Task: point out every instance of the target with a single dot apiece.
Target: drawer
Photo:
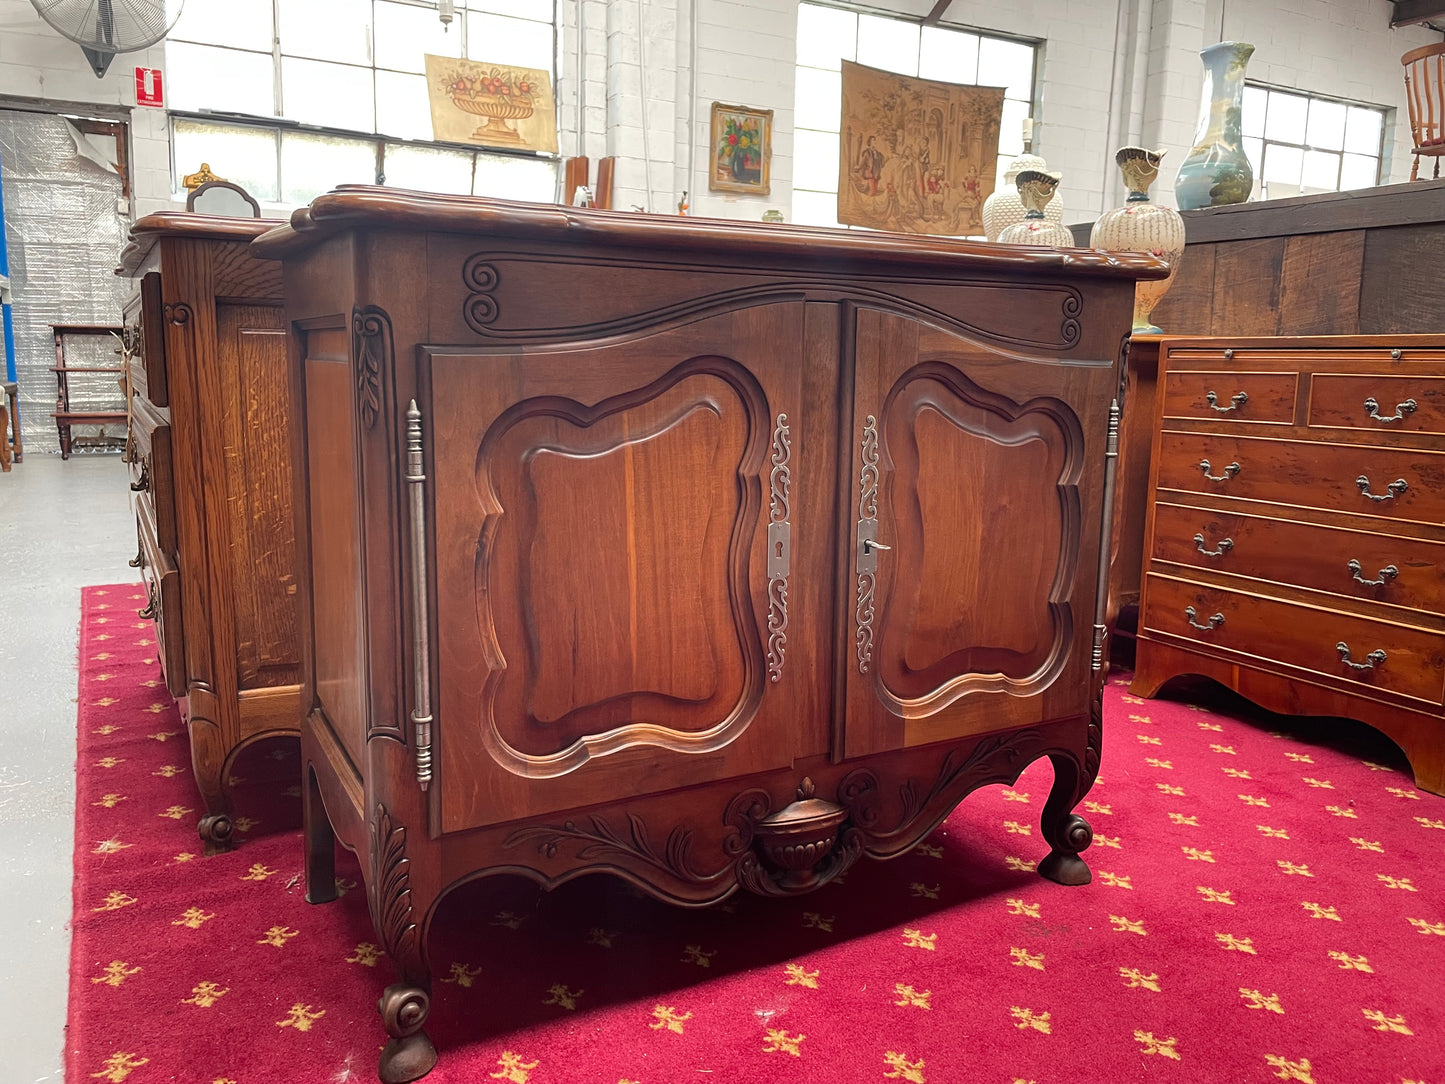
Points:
(1231, 397)
(1400, 483)
(152, 471)
(145, 325)
(163, 606)
(1400, 571)
(1344, 647)
(1380, 403)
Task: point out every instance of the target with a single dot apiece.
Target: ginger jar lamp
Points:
(1036, 188)
(1142, 226)
(1003, 208)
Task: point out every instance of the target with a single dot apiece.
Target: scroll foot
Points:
(1063, 863)
(410, 1054)
(215, 830)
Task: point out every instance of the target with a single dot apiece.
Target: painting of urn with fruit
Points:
(494, 105)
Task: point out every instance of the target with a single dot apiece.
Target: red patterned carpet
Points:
(1264, 907)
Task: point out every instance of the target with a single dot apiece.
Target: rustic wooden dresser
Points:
(1296, 530)
(211, 466)
(711, 555)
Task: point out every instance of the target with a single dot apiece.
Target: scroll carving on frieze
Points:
(480, 277)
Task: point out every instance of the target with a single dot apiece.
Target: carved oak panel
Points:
(602, 552)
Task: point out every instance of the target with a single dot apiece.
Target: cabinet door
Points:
(980, 477)
(608, 618)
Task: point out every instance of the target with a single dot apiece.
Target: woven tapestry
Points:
(915, 155)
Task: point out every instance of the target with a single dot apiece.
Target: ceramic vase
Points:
(1003, 208)
(1036, 188)
(1142, 226)
(1217, 171)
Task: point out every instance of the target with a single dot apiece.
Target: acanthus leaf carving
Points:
(371, 346)
(601, 840)
(390, 899)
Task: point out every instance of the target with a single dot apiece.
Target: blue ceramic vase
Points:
(1217, 171)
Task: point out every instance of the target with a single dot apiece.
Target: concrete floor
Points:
(62, 525)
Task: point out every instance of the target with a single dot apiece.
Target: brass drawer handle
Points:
(1225, 545)
(1372, 408)
(152, 610)
(1214, 622)
(1237, 400)
(1389, 572)
(139, 560)
(1394, 489)
(1229, 471)
(1372, 660)
(141, 484)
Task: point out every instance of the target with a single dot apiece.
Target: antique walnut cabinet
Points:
(712, 555)
(209, 404)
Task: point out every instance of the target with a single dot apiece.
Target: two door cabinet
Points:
(711, 555)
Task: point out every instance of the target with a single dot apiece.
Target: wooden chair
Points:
(1425, 95)
(65, 414)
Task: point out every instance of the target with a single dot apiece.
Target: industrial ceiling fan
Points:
(103, 28)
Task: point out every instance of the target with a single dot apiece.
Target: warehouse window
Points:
(827, 36)
(353, 69)
(1301, 144)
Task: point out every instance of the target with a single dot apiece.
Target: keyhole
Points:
(780, 551)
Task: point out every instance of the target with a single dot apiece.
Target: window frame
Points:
(1386, 114)
(279, 127)
(279, 123)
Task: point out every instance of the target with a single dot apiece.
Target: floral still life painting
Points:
(494, 105)
(742, 150)
(916, 155)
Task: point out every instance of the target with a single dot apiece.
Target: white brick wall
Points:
(1112, 72)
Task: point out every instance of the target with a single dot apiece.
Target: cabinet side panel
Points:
(252, 353)
(336, 578)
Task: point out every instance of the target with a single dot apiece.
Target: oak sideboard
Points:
(712, 555)
(210, 462)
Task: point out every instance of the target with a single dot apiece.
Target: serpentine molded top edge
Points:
(374, 208)
(148, 230)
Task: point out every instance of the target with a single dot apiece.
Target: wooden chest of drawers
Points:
(1295, 543)
(211, 481)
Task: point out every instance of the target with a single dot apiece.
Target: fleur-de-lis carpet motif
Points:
(1271, 880)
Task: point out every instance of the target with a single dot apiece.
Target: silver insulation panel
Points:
(64, 238)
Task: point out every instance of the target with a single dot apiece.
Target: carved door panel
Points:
(971, 570)
(608, 617)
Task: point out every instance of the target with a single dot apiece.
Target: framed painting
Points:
(740, 159)
(492, 105)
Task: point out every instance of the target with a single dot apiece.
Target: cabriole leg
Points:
(1067, 832)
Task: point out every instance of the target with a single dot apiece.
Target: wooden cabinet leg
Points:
(1066, 831)
(215, 830)
(409, 1055)
(320, 841)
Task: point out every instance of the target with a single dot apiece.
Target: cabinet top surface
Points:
(367, 208)
(150, 229)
